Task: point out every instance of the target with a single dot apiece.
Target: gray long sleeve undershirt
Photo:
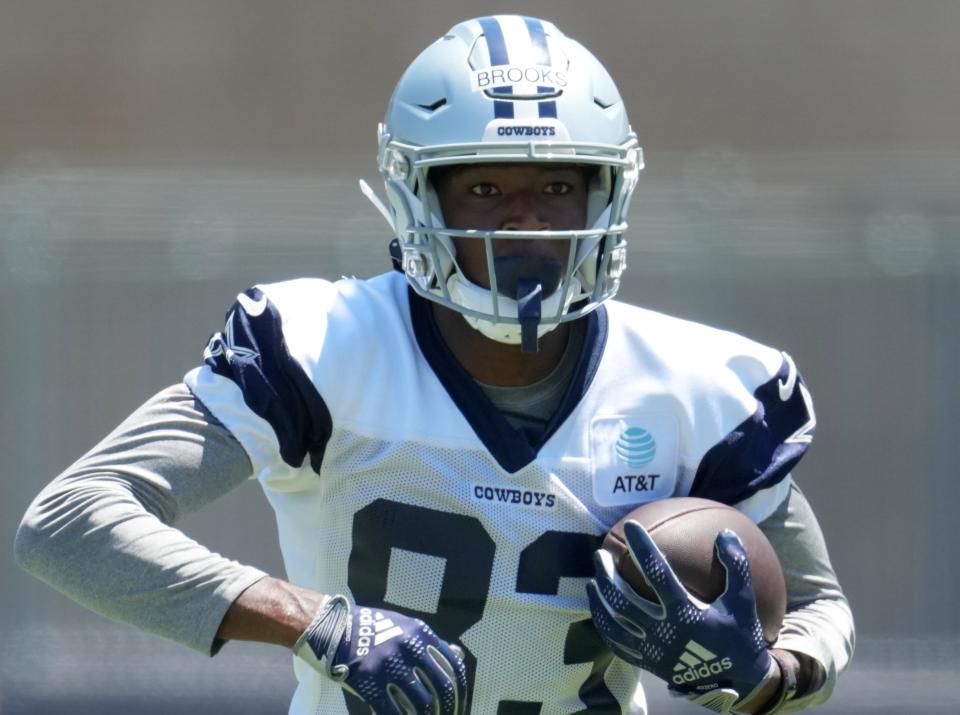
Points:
(102, 533)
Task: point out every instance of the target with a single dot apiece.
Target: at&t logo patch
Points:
(636, 447)
(634, 458)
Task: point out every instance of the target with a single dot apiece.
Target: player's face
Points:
(511, 197)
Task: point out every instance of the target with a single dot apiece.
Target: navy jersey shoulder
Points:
(252, 352)
(761, 450)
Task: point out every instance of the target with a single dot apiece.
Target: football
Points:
(685, 528)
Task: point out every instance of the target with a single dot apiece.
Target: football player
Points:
(445, 445)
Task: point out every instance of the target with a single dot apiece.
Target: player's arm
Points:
(750, 466)
(818, 629)
(395, 663)
(271, 611)
(103, 531)
(257, 398)
(675, 631)
(799, 671)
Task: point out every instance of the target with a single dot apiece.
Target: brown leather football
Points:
(685, 529)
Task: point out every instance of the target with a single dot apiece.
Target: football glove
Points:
(714, 654)
(394, 663)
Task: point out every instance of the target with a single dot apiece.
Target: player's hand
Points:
(394, 663)
(715, 654)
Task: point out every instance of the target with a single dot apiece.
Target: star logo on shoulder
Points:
(225, 344)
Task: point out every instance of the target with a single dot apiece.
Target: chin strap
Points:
(396, 255)
(529, 295)
(527, 279)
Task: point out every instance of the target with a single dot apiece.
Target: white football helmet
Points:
(508, 89)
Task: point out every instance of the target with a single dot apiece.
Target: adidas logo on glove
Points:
(696, 663)
(374, 629)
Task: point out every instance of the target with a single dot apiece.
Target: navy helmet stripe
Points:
(539, 39)
(503, 109)
(547, 109)
(497, 47)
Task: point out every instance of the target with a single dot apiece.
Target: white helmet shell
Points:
(508, 89)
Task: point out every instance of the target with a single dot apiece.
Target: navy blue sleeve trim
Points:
(252, 352)
(762, 449)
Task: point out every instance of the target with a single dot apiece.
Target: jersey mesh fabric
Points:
(423, 500)
(403, 473)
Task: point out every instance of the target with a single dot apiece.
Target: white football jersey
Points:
(395, 481)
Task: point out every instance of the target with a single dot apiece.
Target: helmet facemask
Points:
(526, 298)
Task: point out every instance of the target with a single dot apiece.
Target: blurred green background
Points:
(802, 187)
